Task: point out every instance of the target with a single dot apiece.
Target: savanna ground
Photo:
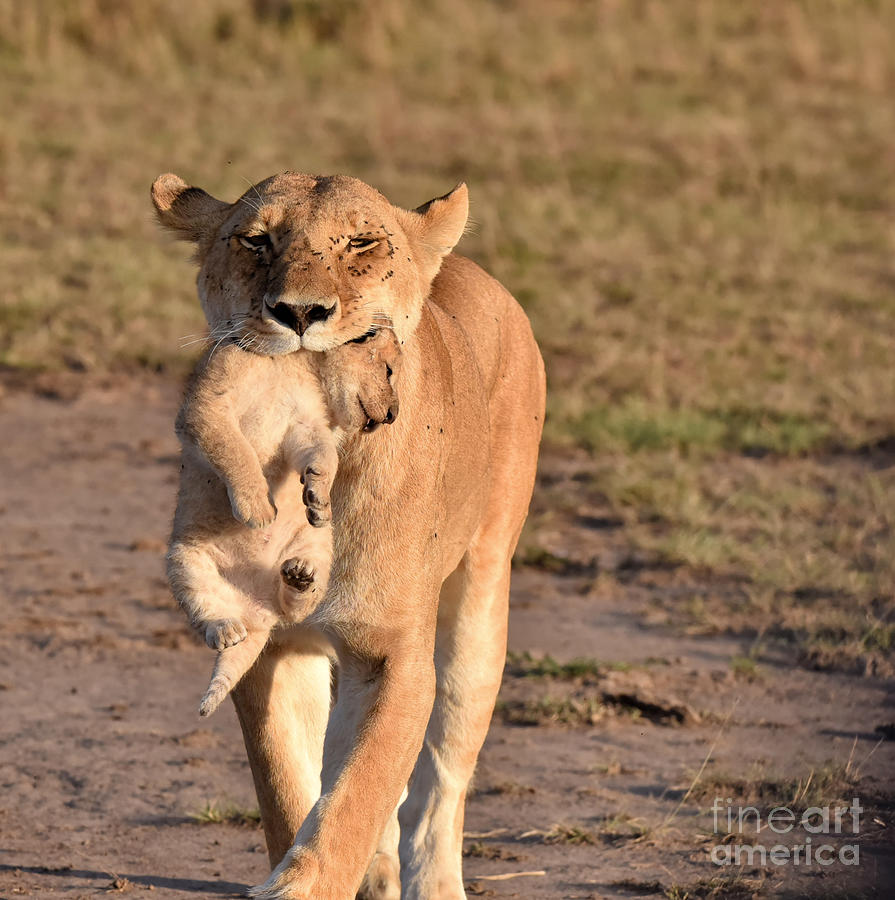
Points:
(694, 203)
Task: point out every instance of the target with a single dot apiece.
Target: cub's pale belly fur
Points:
(251, 561)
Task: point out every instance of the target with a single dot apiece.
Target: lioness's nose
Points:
(299, 316)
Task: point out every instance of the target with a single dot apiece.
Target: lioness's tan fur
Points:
(426, 516)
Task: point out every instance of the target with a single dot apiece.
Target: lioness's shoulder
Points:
(493, 322)
(463, 286)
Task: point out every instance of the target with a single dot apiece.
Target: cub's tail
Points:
(231, 664)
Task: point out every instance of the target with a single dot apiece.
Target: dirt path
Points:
(103, 758)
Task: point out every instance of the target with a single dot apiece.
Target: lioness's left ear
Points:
(436, 226)
(189, 212)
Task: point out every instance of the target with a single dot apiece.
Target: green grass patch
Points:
(745, 668)
(635, 427)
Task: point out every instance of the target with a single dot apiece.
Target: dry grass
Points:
(571, 710)
(561, 833)
(822, 786)
(527, 665)
(805, 546)
(720, 887)
(693, 201)
(776, 549)
(215, 813)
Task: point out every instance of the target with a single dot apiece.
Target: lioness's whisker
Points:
(231, 332)
(187, 340)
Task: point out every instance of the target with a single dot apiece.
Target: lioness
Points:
(426, 516)
(257, 424)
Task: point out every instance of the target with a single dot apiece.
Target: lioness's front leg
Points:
(375, 734)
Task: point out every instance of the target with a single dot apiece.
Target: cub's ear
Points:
(436, 226)
(187, 211)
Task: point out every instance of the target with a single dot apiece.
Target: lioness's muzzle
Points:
(300, 316)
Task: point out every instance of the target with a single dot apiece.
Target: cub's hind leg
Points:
(213, 606)
(305, 573)
(229, 667)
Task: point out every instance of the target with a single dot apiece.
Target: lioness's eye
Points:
(255, 241)
(361, 244)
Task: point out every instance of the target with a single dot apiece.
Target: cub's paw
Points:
(253, 510)
(223, 633)
(297, 574)
(316, 497)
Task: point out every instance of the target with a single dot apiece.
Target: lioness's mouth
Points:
(266, 342)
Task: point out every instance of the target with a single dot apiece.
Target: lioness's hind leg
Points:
(383, 879)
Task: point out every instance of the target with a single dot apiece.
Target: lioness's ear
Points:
(187, 211)
(436, 226)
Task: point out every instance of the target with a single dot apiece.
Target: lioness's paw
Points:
(253, 510)
(316, 498)
(297, 574)
(223, 633)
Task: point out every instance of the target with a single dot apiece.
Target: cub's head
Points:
(360, 380)
(303, 261)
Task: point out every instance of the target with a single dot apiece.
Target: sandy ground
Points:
(103, 757)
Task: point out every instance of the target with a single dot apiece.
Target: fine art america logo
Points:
(810, 849)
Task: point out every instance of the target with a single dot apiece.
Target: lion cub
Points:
(251, 547)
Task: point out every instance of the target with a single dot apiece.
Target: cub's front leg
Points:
(315, 457)
(211, 426)
(251, 504)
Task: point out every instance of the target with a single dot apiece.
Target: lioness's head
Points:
(310, 261)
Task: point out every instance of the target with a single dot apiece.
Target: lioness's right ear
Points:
(187, 211)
